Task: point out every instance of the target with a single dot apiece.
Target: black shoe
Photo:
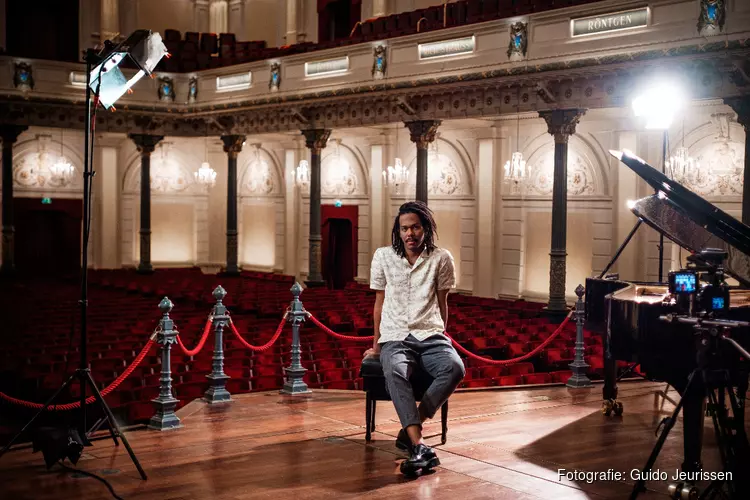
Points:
(422, 458)
(403, 442)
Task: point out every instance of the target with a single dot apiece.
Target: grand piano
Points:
(629, 315)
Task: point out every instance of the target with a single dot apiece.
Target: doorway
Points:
(339, 245)
(48, 236)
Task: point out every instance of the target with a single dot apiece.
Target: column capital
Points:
(145, 143)
(10, 133)
(233, 143)
(316, 139)
(561, 123)
(741, 106)
(422, 132)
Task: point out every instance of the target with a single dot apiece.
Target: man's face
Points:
(412, 232)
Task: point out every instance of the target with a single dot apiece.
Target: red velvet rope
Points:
(201, 342)
(72, 406)
(520, 358)
(331, 332)
(265, 346)
(459, 346)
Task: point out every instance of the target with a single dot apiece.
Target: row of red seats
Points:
(207, 50)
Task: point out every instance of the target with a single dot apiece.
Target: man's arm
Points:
(379, 298)
(442, 296)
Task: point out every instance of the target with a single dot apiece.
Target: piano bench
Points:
(373, 383)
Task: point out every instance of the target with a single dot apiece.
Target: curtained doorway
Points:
(48, 236)
(339, 245)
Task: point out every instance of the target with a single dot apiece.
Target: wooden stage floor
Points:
(502, 444)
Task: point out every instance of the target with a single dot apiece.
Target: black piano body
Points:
(627, 314)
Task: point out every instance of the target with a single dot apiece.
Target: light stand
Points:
(146, 50)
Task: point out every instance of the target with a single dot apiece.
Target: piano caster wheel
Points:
(682, 491)
(617, 408)
(610, 406)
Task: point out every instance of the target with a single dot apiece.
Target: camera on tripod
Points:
(700, 289)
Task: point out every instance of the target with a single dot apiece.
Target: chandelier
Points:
(302, 175)
(62, 171)
(515, 168)
(259, 173)
(681, 166)
(396, 175)
(205, 176)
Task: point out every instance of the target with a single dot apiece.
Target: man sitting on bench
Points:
(412, 278)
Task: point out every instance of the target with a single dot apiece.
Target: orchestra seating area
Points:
(199, 51)
(37, 350)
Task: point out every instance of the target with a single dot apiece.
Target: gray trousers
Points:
(436, 356)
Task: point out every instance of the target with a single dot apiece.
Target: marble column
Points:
(422, 133)
(561, 123)
(315, 140)
(232, 146)
(109, 20)
(741, 106)
(9, 134)
(291, 22)
(201, 16)
(146, 145)
(379, 8)
(236, 19)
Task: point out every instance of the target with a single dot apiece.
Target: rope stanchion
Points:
(201, 342)
(526, 356)
(265, 346)
(111, 387)
(334, 334)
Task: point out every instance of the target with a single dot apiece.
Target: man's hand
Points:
(371, 352)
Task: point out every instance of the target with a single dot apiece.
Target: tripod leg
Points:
(96, 427)
(668, 424)
(113, 425)
(36, 415)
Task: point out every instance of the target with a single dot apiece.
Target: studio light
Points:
(143, 48)
(659, 104)
(57, 444)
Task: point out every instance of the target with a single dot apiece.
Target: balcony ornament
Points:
(193, 90)
(518, 41)
(712, 17)
(23, 77)
(275, 80)
(379, 62)
(166, 89)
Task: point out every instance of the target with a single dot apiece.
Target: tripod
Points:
(83, 373)
(730, 432)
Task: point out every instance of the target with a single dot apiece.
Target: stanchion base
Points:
(577, 381)
(217, 395)
(164, 422)
(295, 387)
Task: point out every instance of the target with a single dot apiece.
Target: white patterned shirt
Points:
(411, 303)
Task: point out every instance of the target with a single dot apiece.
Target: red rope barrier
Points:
(520, 358)
(201, 342)
(265, 346)
(337, 335)
(459, 346)
(72, 406)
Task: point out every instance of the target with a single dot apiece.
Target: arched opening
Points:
(339, 244)
(48, 236)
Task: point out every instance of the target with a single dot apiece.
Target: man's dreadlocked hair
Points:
(425, 218)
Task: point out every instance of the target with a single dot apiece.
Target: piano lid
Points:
(689, 220)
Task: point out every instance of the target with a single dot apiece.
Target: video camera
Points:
(701, 288)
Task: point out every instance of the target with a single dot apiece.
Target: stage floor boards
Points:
(502, 444)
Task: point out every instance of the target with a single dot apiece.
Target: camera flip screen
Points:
(683, 282)
(717, 303)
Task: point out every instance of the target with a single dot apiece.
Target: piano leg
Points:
(609, 392)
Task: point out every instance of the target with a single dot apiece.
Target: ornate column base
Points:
(232, 269)
(294, 384)
(165, 418)
(217, 392)
(557, 305)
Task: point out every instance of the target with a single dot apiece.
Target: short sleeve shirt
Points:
(411, 304)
